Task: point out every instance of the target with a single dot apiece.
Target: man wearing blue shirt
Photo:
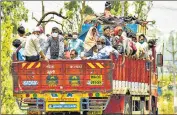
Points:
(19, 52)
(76, 44)
(107, 36)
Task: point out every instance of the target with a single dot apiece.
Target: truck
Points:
(88, 87)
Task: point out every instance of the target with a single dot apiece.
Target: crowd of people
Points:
(58, 45)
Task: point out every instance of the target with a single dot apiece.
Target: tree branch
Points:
(169, 51)
(54, 13)
(50, 20)
(34, 18)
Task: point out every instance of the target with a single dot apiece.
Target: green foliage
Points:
(142, 8)
(116, 7)
(165, 101)
(126, 6)
(88, 10)
(75, 10)
(14, 12)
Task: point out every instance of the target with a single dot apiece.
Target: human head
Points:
(134, 38)
(36, 31)
(75, 35)
(73, 54)
(118, 31)
(55, 32)
(106, 31)
(48, 35)
(108, 5)
(70, 36)
(21, 31)
(60, 32)
(16, 43)
(66, 55)
(94, 31)
(100, 44)
(142, 38)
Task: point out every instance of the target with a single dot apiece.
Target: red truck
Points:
(115, 86)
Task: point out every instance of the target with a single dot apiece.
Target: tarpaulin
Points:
(132, 27)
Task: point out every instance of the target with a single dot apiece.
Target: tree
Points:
(116, 7)
(16, 11)
(75, 11)
(13, 13)
(42, 20)
(142, 8)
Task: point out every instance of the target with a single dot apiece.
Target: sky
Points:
(163, 12)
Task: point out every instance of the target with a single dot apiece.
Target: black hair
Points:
(107, 4)
(106, 27)
(142, 36)
(76, 53)
(55, 28)
(60, 32)
(21, 30)
(47, 35)
(16, 43)
(70, 35)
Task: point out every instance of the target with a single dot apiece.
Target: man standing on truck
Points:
(33, 49)
(107, 36)
(76, 44)
(56, 44)
(21, 33)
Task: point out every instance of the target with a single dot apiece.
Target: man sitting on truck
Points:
(104, 51)
(19, 52)
(74, 55)
(107, 36)
(33, 49)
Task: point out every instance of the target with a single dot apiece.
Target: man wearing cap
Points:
(56, 44)
(76, 44)
(33, 49)
(107, 36)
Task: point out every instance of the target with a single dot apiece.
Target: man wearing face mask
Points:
(142, 47)
(33, 50)
(104, 51)
(56, 44)
(107, 36)
(76, 44)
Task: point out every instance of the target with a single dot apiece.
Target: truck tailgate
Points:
(62, 75)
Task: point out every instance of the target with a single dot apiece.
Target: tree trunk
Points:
(43, 11)
(82, 15)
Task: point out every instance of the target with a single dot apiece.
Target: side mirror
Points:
(159, 60)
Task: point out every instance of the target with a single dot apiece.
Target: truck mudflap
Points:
(62, 76)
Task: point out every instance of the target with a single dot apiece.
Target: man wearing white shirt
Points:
(33, 49)
(142, 47)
